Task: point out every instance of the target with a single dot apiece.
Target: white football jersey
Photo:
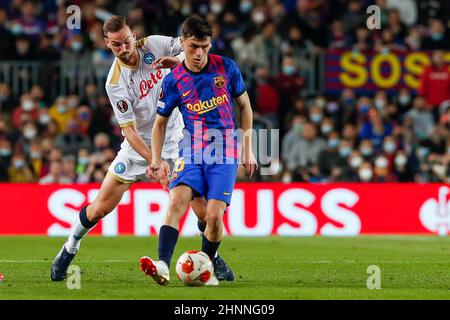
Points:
(134, 91)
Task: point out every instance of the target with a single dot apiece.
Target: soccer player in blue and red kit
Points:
(202, 88)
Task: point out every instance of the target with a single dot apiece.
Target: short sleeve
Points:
(170, 46)
(168, 98)
(121, 104)
(237, 84)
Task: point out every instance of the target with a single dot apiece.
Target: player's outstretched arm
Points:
(167, 62)
(134, 139)
(156, 170)
(245, 108)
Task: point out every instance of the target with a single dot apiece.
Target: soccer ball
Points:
(194, 268)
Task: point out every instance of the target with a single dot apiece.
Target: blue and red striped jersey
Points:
(205, 100)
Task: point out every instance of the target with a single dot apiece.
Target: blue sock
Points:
(168, 237)
(210, 248)
(200, 226)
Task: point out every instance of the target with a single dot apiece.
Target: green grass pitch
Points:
(412, 267)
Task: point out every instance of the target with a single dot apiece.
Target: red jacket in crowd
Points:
(435, 84)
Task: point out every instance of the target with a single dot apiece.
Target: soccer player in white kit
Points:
(133, 86)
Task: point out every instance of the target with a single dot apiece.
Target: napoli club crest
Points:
(122, 106)
(219, 81)
(119, 168)
(149, 58)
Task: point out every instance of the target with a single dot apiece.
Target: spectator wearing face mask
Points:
(438, 38)
(404, 101)
(83, 158)
(382, 170)
(19, 171)
(290, 82)
(402, 167)
(5, 158)
(35, 157)
(331, 157)
(365, 172)
(389, 147)
(26, 110)
(355, 160)
(366, 149)
(315, 115)
(326, 127)
(62, 113)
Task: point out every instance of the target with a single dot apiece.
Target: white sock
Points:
(77, 233)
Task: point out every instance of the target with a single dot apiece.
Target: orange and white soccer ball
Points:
(194, 268)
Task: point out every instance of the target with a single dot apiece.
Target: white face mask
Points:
(400, 160)
(44, 119)
(286, 178)
(355, 162)
(258, 17)
(216, 8)
(389, 147)
(19, 164)
(35, 154)
(27, 105)
(30, 133)
(62, 108)
(381, 163)
(5, 152)
(365, 174)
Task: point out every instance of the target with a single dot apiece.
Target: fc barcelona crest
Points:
(219, 81)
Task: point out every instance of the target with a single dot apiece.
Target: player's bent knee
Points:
(177, 207)
(213, 220)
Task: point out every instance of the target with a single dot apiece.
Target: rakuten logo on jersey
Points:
(146, 85)
(435, 213)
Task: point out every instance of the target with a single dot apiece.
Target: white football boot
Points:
(156, 269)
(212, 281)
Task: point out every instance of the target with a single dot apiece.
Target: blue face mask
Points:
(77, 46)
(345, 152)
(422, 153)
(288, 70)
(245, 6)
(404, 100)
(333, 143)
(364, 108)
(366, 151)
(316, 118)
(437, 36)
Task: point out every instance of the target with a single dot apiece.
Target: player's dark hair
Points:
(114, 24)
(196, 27)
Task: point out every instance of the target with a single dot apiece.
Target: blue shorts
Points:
(213, 181)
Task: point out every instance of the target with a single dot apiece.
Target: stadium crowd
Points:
(383, 137)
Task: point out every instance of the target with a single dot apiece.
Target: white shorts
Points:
(127, 169)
